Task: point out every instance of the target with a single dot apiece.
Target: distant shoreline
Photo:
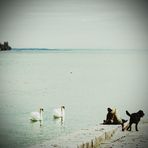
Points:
(82, 50)
(5, 46)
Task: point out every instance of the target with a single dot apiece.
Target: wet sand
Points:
(129, 139)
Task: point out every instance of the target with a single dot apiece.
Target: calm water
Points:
(86, 82)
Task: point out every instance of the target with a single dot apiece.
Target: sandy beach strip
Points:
(128, 139)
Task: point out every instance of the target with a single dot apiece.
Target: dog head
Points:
(140, 113)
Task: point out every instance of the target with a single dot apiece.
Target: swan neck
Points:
(41, 114)
(62, 111)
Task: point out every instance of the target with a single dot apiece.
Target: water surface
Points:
(86, 82)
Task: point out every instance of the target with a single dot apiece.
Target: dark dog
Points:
(134, 118)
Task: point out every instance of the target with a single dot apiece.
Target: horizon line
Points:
(68, 49)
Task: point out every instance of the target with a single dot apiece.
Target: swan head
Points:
(41, 110)
(62, 107)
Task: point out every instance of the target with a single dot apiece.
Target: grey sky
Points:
(101, 24)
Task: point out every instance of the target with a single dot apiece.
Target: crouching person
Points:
(113, 117)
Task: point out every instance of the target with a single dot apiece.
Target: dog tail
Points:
(128, 113)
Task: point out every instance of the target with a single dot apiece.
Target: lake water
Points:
(86, 82)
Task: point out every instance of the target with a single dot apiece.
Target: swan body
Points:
(59, 112)
(37, 116)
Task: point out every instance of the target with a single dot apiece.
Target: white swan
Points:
(37, 116)
(59, 112)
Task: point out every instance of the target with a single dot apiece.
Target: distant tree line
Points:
(4, 46)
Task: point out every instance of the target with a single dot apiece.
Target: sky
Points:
(75, 24)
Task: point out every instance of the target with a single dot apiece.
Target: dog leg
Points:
(136, 126)
(122, 126)
(129, 127)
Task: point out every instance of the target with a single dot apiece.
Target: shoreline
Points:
(101, 136)
(84, 138)
(129, 139)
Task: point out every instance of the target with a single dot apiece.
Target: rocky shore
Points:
(128, 139)
(101, 136)
(85, 138)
